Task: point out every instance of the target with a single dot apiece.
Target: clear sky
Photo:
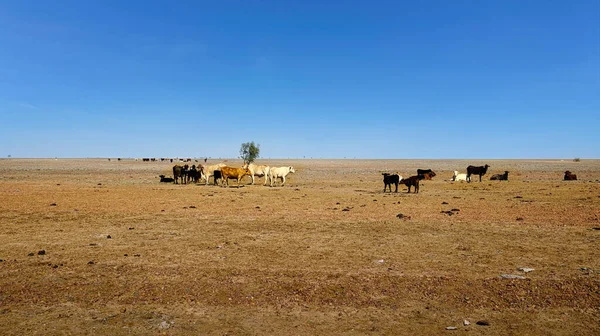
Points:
(330, 79)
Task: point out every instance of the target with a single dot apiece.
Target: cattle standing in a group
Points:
(389, 179)
(233, 173)
(500, 177)
(280, 172)
(180, 172)
(258, 170)
(570, 176)
(165, 179)
(459, 177)
(427, 174)
(208, 171)
(195, 173)
(473, 170)
(412, 181)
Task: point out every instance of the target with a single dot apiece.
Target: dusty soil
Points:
(326, 254)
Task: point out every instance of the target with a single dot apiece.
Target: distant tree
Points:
(249, 152)
(576, 160)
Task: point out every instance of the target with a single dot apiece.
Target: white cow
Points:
(209, 171)
(459, 177)
(258, 170)
(280, 172)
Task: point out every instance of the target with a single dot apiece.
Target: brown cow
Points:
(412, 181)
(233, 173)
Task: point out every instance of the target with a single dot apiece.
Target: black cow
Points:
(473, 170)
(500, 177)
(389, 179)
(570, 176)
(217, 176)
(165, 179)
(180, 172)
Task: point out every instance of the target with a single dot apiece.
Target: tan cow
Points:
(208, 171)
(233, 173)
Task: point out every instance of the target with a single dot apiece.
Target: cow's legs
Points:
(396, 188)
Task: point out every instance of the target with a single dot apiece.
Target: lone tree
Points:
(249, 152)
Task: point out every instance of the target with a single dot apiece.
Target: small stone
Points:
(91, 262)
(99, 183)
(525, 269)
(512, 276)
(31, 254)
(518, 196)
(466, 322)
(257, 207)
(345, 209)
(444, 202)
(381, 261)
(192, 207)
(483, 323)
(520, 219)
(400, 215)
(137, 255)
(164, 325)
(455, 209)
(451, 328)
(125, 255)
(41, 252)
(53, 204)
(108, 237)
(131, 228)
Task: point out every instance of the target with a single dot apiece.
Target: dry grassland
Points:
(326, 254)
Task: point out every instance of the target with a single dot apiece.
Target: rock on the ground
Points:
(512, 276)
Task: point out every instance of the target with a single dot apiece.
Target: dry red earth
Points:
(326, 254)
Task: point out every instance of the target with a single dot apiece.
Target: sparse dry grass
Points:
(260, 260)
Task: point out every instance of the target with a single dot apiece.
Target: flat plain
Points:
(329, 253)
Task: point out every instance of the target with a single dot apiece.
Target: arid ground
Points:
(328, 254)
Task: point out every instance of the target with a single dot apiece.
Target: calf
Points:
(570, 176)
(412, 181)
(389, 179)
(500, 177)
(476, 170)
(217, 176)
(165, 179)
(233, 173)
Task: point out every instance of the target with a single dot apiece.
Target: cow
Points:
(428, 174)
(180, 172)
(570, 176)
(473, 170)
(500, 177)
(412, 181)
(258, 170)
(389, 179)
(280, 172)
(217, 176)
(459, 177)
(195, 173)
(233, 173)
(208, 171)
(165, 179)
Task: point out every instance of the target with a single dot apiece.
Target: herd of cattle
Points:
(428, 174)
(221, 173)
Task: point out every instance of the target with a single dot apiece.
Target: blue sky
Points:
(330, 79)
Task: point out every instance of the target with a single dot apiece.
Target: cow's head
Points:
(486, 166)
(292, 170)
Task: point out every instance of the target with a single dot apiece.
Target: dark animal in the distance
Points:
(389, 179)
(412, 181)
(500, 177)
(428, 174)
(165, 179)
(476, 170)
(570, 176)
